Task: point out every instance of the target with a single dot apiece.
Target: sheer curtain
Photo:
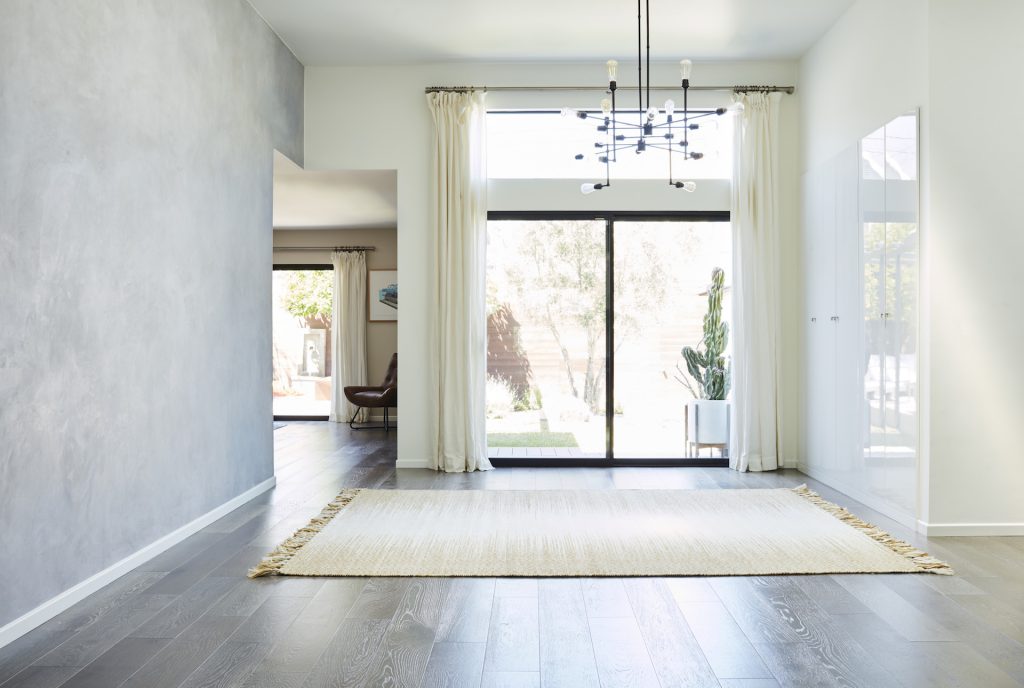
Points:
(755, 222)
(348, 331)
(458, 337)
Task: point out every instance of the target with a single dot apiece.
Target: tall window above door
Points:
(541, 144)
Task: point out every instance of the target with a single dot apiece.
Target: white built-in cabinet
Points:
(860, 245)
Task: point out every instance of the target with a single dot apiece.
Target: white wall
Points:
(944, 56)
(395, 133)
(975, 253)
(871, 66)
(136, 172)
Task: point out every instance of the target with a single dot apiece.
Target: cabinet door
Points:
(849, 327)
(818, 259)
(821, 299)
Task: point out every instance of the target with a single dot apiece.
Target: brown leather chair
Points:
(383, 396)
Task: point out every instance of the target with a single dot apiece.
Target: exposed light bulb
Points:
(567, 112)
(690, 186)
(685, 67)
(652, 112)
(606, 106)
(736, 108)
(587, 188)
(613, 66)
(670, 107)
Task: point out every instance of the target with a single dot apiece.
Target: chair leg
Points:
(366, 426)
(352, 420)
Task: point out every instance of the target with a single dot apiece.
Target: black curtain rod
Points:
(324, 248)
(602, 89)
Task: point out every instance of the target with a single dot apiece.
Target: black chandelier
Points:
(645, 132)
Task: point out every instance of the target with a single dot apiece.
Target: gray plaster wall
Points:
(136, 147)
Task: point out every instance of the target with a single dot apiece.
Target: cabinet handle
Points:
(834, 318)
(814, 320)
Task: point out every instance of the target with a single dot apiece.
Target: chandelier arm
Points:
(699, 114)
(628, 125)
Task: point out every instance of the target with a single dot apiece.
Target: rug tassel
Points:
(272, 563)
(922, 560)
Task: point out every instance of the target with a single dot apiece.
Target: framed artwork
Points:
(382, 293)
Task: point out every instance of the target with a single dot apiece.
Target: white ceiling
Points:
(346, 32)
(366, 199)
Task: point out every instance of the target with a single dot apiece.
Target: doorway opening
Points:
(302, 296)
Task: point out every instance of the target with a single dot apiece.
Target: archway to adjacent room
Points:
(315, 213)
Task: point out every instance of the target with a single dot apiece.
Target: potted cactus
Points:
(707, 374)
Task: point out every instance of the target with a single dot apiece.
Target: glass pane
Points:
(872, 222)
(546, 338)
(901, 280)
(301, 342)
(543, 145)
(662, 276)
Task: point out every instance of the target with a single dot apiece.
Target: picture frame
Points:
(382, 295)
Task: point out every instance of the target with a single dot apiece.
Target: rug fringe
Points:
(921, 559)
(272, 563)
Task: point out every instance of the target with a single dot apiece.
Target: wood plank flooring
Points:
(190, 618)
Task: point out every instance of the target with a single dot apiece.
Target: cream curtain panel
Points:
(458, 337)
(755, 226)
(348, 331)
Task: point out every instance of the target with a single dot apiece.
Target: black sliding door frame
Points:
(301, 266)
(609, 218)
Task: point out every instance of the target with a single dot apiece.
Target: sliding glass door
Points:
(662, 273)
(587, 319)
(546, 336)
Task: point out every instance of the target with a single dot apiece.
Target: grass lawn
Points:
(531, 439)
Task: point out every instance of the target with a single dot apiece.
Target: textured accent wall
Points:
(136, 144)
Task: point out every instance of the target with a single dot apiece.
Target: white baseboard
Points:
(974, 529)
(55, 605)
(412, 463)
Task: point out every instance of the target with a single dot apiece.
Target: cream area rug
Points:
(589, 533)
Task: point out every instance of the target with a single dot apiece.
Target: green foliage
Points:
(532, 439)
(308, 294)
(559, 280)
(706, 363)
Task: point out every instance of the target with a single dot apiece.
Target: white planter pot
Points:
(707, 421)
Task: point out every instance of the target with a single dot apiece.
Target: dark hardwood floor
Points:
(190, 617)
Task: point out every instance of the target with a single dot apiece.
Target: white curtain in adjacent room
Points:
(458, 337)
(755, 226)
(348, 331)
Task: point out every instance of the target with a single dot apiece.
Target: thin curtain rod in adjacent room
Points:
(325, 248)
(602, 89)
